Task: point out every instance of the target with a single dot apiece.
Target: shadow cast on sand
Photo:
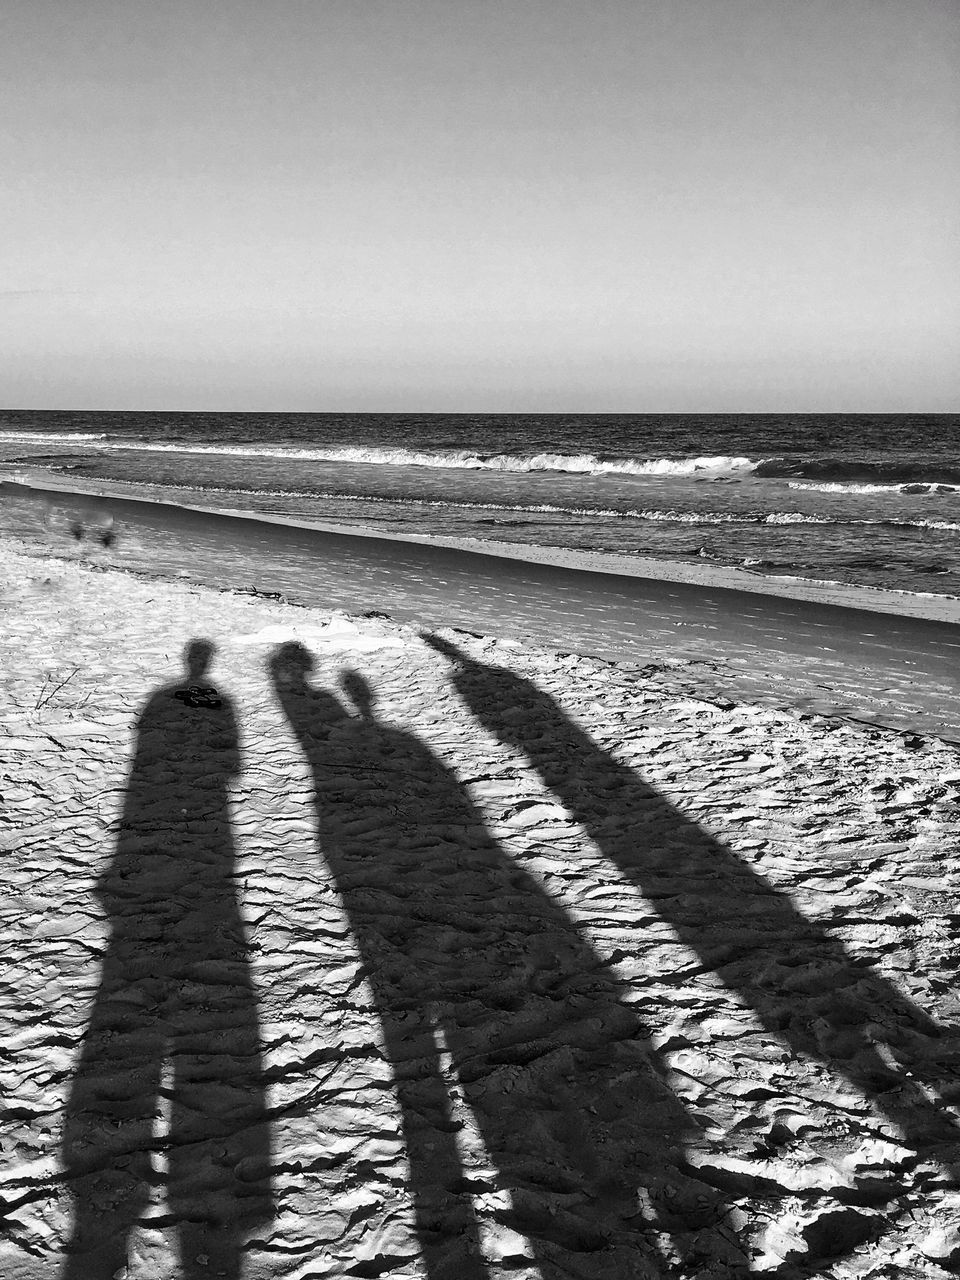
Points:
(174, 1031)
(496, 1013)
(524, 1072)
(801, 983)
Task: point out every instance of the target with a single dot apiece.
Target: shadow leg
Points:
(109, 1127)
(445, 1220)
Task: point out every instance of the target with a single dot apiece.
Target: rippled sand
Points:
(434, 954)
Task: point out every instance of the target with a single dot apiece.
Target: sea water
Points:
(866, 499)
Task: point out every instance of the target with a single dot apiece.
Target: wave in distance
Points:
(584, 463)
(826, 475)
(46, 437)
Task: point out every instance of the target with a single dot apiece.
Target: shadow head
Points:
(197, 656)
(359, 691)
(291, 663)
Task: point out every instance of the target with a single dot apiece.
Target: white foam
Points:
(581, 464)
(918, 488)
(45, 437)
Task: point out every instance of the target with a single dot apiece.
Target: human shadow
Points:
(487, 993)
(802, 984)
(174, 1032)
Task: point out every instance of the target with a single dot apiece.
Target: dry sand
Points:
(466, 958)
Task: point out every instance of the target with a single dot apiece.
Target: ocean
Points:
(867, 499)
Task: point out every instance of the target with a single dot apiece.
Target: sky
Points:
(480, 205)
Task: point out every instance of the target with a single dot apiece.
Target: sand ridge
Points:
(560, 967)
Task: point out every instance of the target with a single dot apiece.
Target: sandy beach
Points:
(423, 951)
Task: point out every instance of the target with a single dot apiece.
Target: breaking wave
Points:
(51, 437)
(462, 459)
(913, 487)
(826, 474)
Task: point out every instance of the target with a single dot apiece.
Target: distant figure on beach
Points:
(802, 984)
(174, 1030)
(468, 956)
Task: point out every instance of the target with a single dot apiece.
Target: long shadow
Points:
(483, 984)
(173, 1041)
(800, 981)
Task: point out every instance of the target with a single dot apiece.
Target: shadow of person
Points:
(173, 1033)
(802, 984)
(499, 1021)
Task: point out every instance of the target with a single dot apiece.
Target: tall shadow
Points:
(483, 984)
(173, 1041)
(802, 984)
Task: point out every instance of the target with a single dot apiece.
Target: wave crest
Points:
(910, 488)
(46, 437)
(461, 459)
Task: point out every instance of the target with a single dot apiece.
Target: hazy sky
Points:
(621, 205)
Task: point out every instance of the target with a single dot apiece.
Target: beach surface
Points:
(455, 943)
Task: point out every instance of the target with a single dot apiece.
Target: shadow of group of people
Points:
(489, 996)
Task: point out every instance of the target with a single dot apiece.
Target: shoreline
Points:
(908, 604)
(872, 666)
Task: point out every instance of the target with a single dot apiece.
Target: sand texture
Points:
(439, 956)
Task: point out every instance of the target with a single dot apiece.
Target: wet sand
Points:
(867, 658)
